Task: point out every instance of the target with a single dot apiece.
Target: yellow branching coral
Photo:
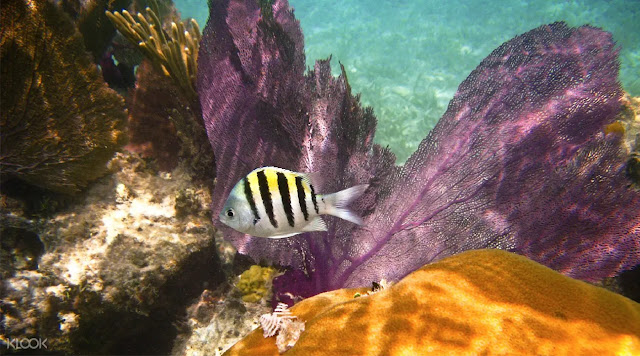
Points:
(176, 54)
(255, 283)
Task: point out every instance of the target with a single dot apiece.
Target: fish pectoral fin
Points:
(317, 224)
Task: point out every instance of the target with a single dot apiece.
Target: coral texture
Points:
(167, 126)
(484, 302)
(255, 283)
(628, 125)
(519, 161)
(60, 123)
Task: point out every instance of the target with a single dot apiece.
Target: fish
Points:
(276, 203)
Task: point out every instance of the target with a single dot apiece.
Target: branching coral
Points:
(176, 54)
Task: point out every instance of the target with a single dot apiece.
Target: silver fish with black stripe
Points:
(275, 203)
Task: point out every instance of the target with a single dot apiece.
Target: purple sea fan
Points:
(260, 109)
(519, 160)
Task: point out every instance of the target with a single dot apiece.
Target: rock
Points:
(217, 323)
(477, 302)
(116, 271)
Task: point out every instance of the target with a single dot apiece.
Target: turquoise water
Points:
(407, 58)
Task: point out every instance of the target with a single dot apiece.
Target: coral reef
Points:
(20, 249)
(519, 161)
(120, 265)
(60, 123)
(120, 59)
(188, 202)
(477, 302)
(255, 283)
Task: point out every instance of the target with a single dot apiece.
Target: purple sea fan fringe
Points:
(519, 161)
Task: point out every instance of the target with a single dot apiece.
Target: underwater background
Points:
(509, 220)
(407, 58)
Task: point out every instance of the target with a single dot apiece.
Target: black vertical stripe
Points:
(302, 198)
(283, 187)
(313, 199)
(249, 195)
(266, 197)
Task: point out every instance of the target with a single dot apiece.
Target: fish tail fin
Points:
(336, 203)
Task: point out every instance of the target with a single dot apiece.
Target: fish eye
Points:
(230, 213)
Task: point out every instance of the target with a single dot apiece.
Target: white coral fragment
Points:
(289, 334)
(271, 323)
(282, 322)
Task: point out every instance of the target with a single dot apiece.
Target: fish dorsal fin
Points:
(275, 169)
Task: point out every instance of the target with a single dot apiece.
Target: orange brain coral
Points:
(483, 302)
